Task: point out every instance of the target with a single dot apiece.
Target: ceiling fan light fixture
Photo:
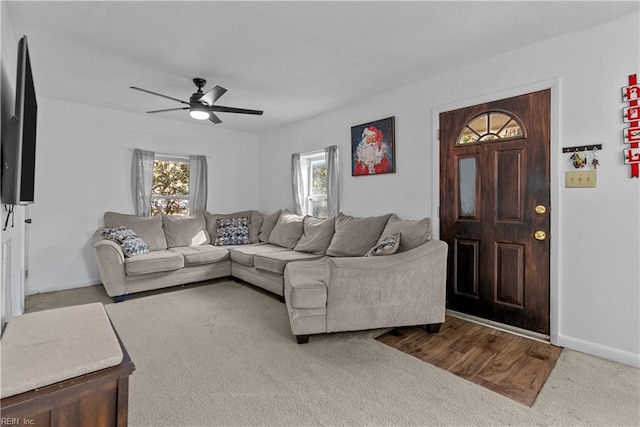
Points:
(199, 112)
(200, 104)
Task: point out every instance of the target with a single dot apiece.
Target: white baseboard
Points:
(605, 352)
(62, 287)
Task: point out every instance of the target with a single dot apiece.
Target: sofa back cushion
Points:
(255, 225)
(414, 233)
(268, 223)
(148, 229)
(181, 231)
(288, 230)
(317, 235)
(355, 236)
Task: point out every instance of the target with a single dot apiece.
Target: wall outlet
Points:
(580, 179)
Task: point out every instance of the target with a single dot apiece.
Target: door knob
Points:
(540, 235)
(541, 209)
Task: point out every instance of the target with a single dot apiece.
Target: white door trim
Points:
(555, 168)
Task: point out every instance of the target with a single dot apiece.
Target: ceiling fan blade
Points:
(158, 94)
(213, 95)
(168, 109)
(221, 109)
(213, 118)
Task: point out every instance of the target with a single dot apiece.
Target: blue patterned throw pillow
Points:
(232, 231)
(129, 241)
(387, 246)
(118, 234)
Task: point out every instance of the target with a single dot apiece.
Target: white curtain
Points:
(333, 179)
(297, 186)
(141, 180)
(197, 183)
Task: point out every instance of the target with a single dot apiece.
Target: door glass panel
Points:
(467, 178)
(490, 126)
(497, 121)
(468, 136)
(480, 124)
(510, 130)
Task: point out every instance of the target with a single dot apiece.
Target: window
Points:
(493, 125)
(170, 186)
(315, 181)
(312, 184)
(317, 186)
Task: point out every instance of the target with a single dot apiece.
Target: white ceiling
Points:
(293, 60)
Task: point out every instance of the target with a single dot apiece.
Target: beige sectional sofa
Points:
(336, 274)
(171, 260)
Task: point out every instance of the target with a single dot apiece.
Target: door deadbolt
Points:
(540, 235)
(541, 209)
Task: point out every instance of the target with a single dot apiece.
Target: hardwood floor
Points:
(513, 366)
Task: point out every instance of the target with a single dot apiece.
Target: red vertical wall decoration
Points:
(631, 134)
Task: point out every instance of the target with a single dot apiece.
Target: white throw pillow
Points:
(387, 246)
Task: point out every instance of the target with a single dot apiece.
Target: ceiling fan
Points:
(200, 104)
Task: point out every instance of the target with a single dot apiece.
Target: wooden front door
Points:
(494, 209)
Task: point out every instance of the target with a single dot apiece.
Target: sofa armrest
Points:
(113, 246)
(110, 260)
(403, 289)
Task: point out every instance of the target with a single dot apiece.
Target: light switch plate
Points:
(580, 179)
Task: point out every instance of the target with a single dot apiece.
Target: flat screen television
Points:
(19, 137)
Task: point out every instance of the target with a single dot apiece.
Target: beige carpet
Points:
(223, 354)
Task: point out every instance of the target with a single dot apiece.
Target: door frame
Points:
(555, 170)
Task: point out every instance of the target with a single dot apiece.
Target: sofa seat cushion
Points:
(153, 262)
(245, 254)
(304, 286)
(204, 254)
(275, 262)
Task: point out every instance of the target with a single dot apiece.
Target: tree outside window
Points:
(170, 188)
(317, 187)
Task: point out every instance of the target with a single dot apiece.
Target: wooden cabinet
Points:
(96, 399)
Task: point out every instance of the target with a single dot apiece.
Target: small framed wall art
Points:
(373, 147)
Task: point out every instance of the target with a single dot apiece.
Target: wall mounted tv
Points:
(19, 137)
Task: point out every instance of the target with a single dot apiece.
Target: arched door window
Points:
(491, 126)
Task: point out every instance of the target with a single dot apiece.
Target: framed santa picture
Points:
(373, 147)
